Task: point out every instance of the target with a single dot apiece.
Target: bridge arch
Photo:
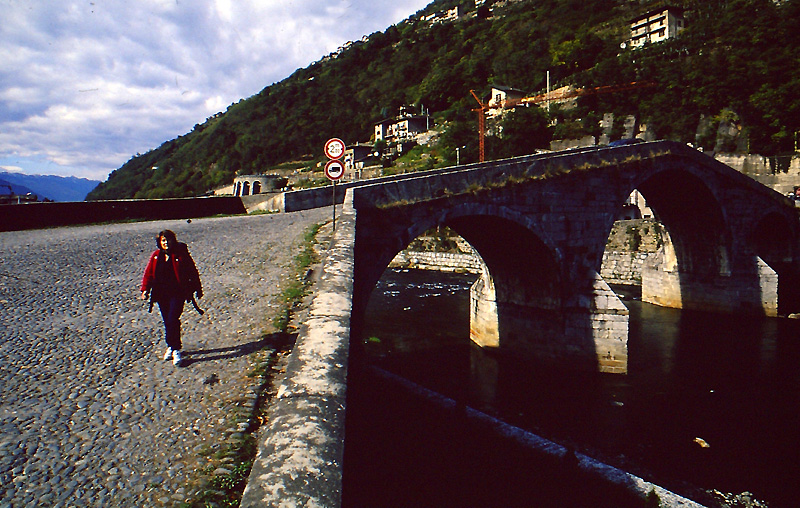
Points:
(522, 262)
(694, 220)
(518, 302)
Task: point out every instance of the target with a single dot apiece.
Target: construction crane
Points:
(556, 95)
(481, 126)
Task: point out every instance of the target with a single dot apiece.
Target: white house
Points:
(656, 25)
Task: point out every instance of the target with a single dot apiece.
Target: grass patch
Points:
(296, 285)
(225, 489)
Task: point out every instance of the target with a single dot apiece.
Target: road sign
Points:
(334, 148)
(334, 169)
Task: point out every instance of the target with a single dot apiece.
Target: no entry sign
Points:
(334, 169)
(334, 148)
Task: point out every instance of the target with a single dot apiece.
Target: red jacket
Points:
(184, 267)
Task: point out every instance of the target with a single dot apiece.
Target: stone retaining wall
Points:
(621, 267)
(780, 173)
(47, 215)
(443, 261)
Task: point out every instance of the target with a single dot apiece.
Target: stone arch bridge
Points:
(540, 224)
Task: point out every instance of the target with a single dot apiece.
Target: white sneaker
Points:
(168, 354)
(176, 357)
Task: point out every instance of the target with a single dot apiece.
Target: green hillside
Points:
(737, 61)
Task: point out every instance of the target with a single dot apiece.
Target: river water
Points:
(711, 401)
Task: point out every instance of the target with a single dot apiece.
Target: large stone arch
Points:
(709, 259)
(696, 222)
(505, 240)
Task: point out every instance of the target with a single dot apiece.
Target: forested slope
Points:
(737, 61)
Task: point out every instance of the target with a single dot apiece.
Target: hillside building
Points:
(505, 97)
(444, 16)
(248, 185)
(402, 127)
(656, 26)
(359, 156)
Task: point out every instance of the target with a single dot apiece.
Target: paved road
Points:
(90, 415)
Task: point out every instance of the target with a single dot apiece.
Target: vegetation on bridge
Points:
(735, 62)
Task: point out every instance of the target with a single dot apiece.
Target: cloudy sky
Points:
(87, 84)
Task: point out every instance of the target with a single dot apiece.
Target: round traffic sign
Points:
(334, 169)
(334, 148)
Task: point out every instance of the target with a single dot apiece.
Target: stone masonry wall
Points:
(46, 215)
(444, 261)
(624, 267)
(630, 244)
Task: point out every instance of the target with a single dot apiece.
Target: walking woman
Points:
(171, 279)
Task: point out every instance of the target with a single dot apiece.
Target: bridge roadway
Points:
(90, 415)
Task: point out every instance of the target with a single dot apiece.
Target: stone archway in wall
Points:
(256, 187)
(245, 188)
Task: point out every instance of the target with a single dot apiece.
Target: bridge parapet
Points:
(300, 458)
(419, 187)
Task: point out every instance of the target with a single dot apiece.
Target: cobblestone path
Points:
(90, 414)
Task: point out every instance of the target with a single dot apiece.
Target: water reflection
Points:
(710, 400)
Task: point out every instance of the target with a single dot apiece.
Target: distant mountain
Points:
(56, 188)
(7, 187)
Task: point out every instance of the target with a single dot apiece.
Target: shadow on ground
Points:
(275, 341)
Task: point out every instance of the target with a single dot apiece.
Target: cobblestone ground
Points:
(90, 414)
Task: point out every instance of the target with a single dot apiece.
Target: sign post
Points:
(334, 169)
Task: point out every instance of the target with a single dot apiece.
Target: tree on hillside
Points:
(523, 131)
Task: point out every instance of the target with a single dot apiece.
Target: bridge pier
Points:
(589, 333)
(665, 285)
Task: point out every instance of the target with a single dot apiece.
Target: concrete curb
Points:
(300, 454)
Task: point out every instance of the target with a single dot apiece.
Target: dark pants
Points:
(171, 309)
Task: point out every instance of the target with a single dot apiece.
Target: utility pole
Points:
(548, 93)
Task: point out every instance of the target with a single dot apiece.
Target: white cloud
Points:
(85, 85)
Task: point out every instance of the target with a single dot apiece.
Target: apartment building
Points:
(656, 25)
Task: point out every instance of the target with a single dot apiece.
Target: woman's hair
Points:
(168, 234)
